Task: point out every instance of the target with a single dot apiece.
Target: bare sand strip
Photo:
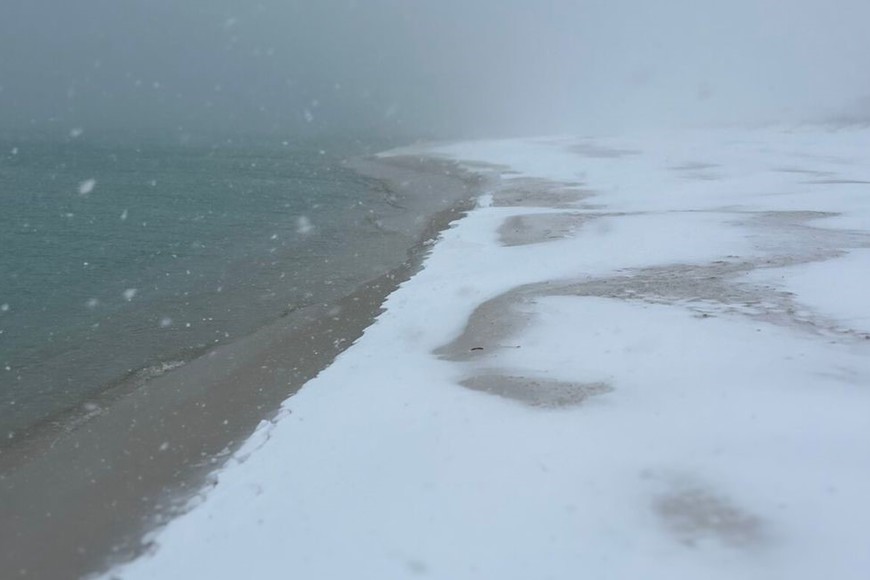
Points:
(693, 512)
(535, 391)
(707, 289)
(671, 399)
(523, 230)
(77, 497)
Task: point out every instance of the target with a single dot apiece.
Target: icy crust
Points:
(629, 362)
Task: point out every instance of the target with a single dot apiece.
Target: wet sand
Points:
(707, 290)
(535, 391)
(82, 493)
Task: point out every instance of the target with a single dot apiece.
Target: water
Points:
(122, 259)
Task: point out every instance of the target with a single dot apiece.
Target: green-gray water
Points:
(119, 261)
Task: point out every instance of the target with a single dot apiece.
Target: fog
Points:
(445, 68)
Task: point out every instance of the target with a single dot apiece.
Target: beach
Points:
(635, 358)
(388, 290)
(80, 491)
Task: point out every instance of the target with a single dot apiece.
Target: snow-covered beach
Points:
(636, 358)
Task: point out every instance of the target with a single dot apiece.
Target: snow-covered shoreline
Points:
(637, 358)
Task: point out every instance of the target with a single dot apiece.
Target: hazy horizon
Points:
(446, 69)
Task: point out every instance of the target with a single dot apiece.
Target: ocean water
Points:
(123, 260)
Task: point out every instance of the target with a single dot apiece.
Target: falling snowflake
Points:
(92, 303)
(76, 132)
(130, 293)
(4, 308)
(303, 225)
(87, 186)
(124, 215)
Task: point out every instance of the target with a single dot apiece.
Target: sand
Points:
(636, 390)
(707, 289)
(83, 492)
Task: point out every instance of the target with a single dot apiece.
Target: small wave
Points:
(152, 372)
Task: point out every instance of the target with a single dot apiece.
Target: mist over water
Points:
(168, 252)
(175, 188)
(437, 69)
(100, 99)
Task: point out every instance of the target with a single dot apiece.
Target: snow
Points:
(700, 384)
(836, 288)
(87, 186)
(304, 226)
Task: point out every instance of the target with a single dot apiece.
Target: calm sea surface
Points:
(125, 260)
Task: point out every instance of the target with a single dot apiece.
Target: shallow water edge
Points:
(81, 493)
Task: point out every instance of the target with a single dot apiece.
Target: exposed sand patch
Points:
(697, 170)
(801, 170)
(597, 151)
(693, 514)
(536, 391)
(525, 192)
(523, 230)
(695, 166)
(838, 182)
(711, 289)
(489, 326)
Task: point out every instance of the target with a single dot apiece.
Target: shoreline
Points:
(568, 385)
(227, 259)
(80, 494)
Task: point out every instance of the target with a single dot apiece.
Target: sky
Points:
(445, 68)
